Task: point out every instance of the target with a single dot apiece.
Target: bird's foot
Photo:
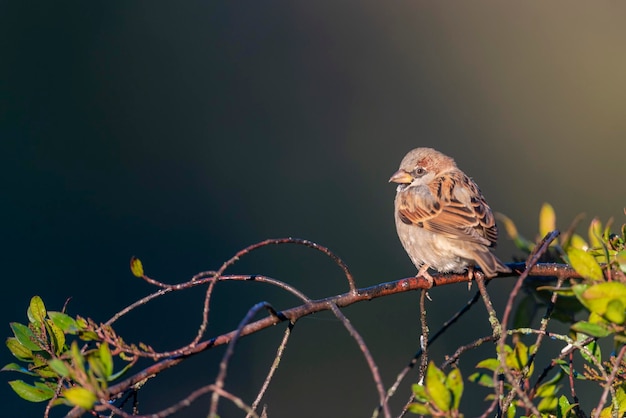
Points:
(423, 272)
(470, 276)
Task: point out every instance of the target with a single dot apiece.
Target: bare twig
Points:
(219, 381)
(471, 302)
(608, 385)
(532, 260)
(424, 336)
(277, 358)
(184, 403)
(368, 357)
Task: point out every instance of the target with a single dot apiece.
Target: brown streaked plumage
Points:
(442, 218)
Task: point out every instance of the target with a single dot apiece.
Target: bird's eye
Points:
(419, 172)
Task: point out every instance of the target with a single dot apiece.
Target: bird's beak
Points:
(401, 177)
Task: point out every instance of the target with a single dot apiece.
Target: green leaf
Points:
(14, 367)
(483, 379)
(18, 350)
(436, 389)
(25, 336)
(547, 220)
(40, 365)
(547, 390)
(31, 393)
(60, 367)
(620, 396)
(80, 397)
(78, 361)
(510, 413)
(584, 264)
(136, 267)
(579, 242)
(620, 257)
(37, 309)
(592, 330)
(489, 364)
(96, 366)
(65, 322)
(563, 407)
(107, 359)
(615, 311)
(596, 298)
(419, 409)
(561, 291)
(419, 391)
(547, 404)
(57, 337)
(593, 347)
(454, 382)
(517, 358)
(595, 233)
(121, 372)
(88, 336)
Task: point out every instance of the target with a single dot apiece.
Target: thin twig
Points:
(368, 357)
(221, 377)
(608, 385)
(457, 315)
(184, 403)
(423, 337)
(277, 358)
(532, 260)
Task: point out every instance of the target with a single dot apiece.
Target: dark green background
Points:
(182, 132)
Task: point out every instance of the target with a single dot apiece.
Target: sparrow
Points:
(442, 218)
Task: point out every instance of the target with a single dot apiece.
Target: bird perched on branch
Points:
(442, 218)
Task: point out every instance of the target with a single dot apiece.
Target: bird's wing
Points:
(451, 205)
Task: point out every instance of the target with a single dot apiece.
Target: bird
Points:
(442, 219)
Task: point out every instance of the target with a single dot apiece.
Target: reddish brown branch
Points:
(314, 306)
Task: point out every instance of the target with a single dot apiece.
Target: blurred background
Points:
(183, 132)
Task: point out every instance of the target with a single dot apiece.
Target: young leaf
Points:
(599, 297)
(136, 267)
(60, 367)
(437, 391)
(419, 409)
(593, 347)
(419, 391)
(483, 379)
(547, 404)
(615, 311)
(107, 359)
(454, 382)
(547, 220)
(592, 330)
(595, 233)
(579, 242)
(37, 309)
(57, 337)
(80, 397)
(620, 257)
(564, 407)
(489, 364)
(584, 264)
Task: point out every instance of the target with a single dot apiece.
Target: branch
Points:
(547, 270)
